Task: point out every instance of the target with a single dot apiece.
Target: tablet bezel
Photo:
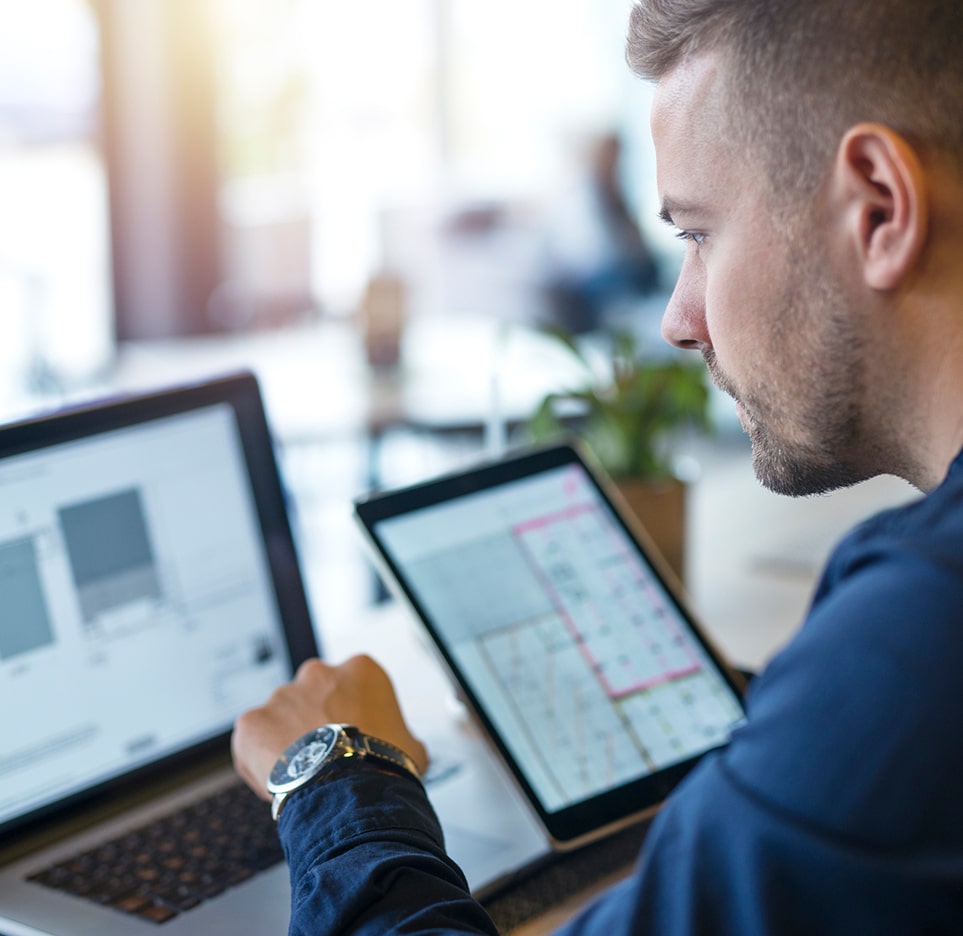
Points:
(611, 809)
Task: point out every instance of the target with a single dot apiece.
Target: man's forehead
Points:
(690, 94)
(689, 130)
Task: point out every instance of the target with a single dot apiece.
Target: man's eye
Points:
(691, 236)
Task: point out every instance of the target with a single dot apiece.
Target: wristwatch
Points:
(306, 759)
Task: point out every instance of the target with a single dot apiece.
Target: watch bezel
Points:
(330, 736)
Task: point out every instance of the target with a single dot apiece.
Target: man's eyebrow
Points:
(672, 207)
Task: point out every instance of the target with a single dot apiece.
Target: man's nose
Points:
(684, 320)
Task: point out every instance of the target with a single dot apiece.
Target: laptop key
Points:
(131, 903)
(157, 913)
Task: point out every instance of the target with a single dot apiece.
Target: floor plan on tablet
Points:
(572, 641)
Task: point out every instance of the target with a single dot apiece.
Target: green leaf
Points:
(627, 420)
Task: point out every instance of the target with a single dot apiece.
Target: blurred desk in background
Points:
(318, 385)
(752, 556)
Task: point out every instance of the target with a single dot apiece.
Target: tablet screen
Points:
(584, 665)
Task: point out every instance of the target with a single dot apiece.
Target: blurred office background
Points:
(173, 167)
(367, 203)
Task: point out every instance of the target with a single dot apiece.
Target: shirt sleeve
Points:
(366, 855)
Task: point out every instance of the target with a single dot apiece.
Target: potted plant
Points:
(627, 410)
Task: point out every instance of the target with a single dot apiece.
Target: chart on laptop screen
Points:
(569, 640)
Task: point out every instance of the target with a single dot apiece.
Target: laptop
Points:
(149, 593)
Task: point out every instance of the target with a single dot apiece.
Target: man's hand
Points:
(357, 692)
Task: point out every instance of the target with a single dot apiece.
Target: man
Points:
(811, 155)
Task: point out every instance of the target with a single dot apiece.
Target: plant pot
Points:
(660, 507)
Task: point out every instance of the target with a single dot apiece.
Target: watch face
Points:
(303, 759)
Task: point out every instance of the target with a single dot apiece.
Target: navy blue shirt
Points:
(836, 808)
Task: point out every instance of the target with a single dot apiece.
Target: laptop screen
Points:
(137, 610)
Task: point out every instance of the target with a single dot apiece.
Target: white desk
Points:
(317, 385)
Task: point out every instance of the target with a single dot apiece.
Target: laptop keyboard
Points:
(177, 862)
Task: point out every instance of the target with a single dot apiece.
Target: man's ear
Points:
(882, 182)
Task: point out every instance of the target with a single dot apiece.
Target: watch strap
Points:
(368, 746)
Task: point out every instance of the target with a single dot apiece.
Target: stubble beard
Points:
(805, 432)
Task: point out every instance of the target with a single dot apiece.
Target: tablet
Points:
(563, 631)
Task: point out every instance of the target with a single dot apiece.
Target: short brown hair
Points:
(803, 71)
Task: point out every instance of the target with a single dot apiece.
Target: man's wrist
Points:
(312, 757)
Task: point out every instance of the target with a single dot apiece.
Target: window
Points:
(347, 127)
(55, 309)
